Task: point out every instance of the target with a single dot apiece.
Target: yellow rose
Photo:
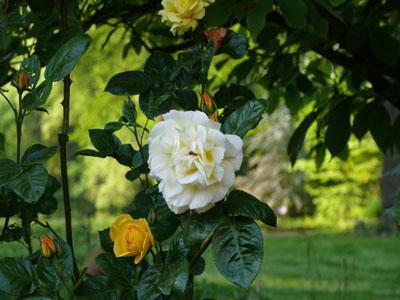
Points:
(183, 15)
(131, 237)
(48, 246)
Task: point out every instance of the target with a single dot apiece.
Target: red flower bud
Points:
(23, 81)
(207, 102)
(216, 35)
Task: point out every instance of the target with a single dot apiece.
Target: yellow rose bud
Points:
(48, 246)
(23, 81)
(131, 237)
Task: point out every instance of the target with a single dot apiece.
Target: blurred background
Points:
(335, 238)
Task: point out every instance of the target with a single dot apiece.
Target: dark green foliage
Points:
(240, 203)
(237, 248)
(17, 277)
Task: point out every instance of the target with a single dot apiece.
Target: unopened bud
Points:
(48, 246)
(23, 81)
(217, 35)
(207, 102)
(214, 117)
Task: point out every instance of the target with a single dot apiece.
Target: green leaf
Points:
(90, 152)
(234, 44)
(159, 68)
(66, 58)
(339, 129)
(113, 126)
(219, 13)
(124, 154)
(175, 271)
(384, 46)
(294, 12)
(47, 273)
(320, 24)
(31, 65)
(31, 184)
(257, 16)
(118, 270)
(2, 141)
(297, 139)
(17, 277)
(132, 175)
(197, 227)
(38, 96)
(233, 93)
(165, 223)
(99, 288)
(105, 241)
(244, 119)
(37, 153)
(8, 171)
(147, 289)
(129, 112)
(104, 141)
(42, 9)
(379, 124)
(240, 203)
(237, 247)
(128, 83)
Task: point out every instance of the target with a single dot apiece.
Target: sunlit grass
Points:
(296, 265)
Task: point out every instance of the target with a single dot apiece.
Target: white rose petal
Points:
(193, 160)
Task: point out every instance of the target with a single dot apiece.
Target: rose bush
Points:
(193, 160)
(185, 163)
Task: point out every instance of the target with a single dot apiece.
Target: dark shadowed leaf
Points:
(99, 288)
(294, 12)
(339, 129)
(105, 241)
(90, 152)
(297, 139)
(147, 289)
(37, 153)
(128, 83)
(219, 13)
(237, 247)
(31, 184)
(118, 270)
(8, 171)
(38, 96)
(235, 45)
(242, 120)
(104, 141)
(17, 277)
(66, 58)
(257, 16)
(384, 46)
(240, 203)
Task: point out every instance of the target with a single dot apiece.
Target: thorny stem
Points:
(63, 140)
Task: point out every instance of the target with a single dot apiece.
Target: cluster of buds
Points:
(48, 246)
(208, 106)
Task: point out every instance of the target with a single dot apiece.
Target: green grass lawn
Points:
(296, 266)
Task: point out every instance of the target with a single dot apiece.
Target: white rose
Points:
(193, 160)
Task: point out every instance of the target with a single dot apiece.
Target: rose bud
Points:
(216, 35)
(131, 237)
(214, 117)
(23, 81)
(48, 246)
(207, 102)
